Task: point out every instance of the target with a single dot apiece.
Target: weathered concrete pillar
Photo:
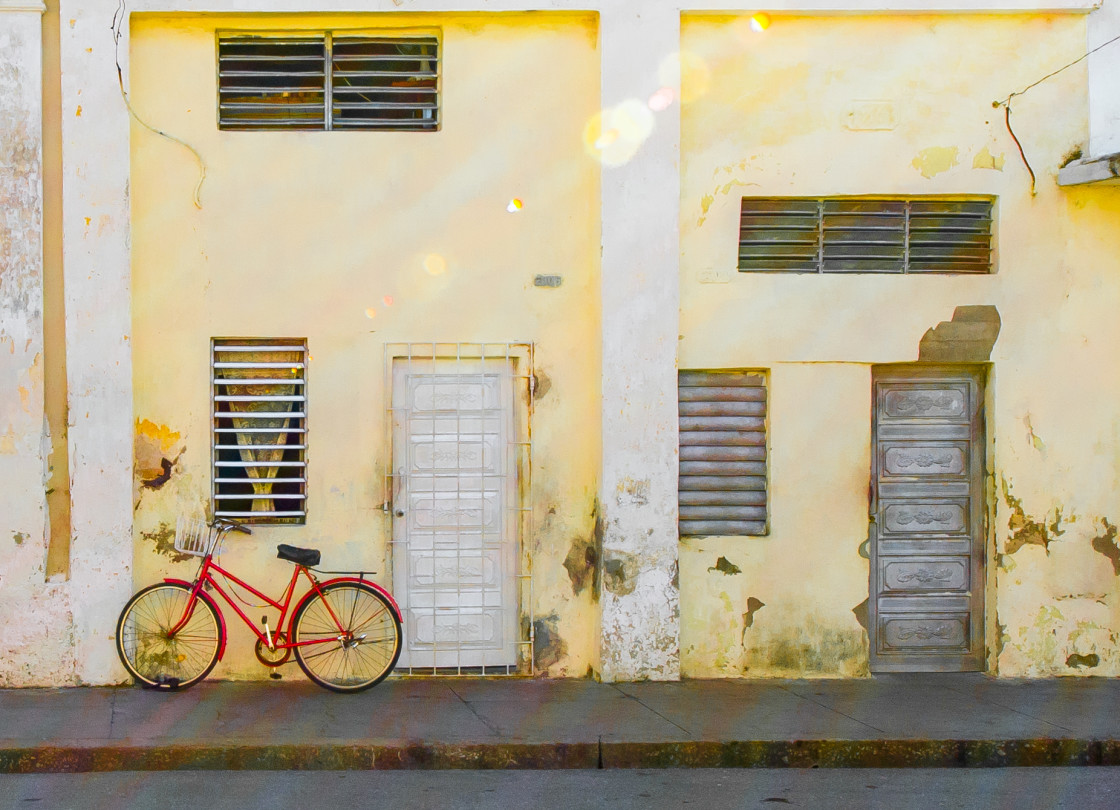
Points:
(640, 299)
(98, 310)
(34, 614)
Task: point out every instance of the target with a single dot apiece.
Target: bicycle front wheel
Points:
(149, 652)
(357, 635)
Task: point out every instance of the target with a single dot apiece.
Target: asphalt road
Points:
(1086, 788)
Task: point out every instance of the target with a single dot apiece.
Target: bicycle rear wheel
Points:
(157, 659)
(358, 633)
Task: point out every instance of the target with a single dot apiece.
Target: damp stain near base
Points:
(1076, 661)
(548, 647)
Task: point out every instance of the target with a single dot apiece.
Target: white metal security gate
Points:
(460, 453)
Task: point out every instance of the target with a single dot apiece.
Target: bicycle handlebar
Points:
(231, 525)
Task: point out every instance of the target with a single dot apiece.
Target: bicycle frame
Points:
(206, 577)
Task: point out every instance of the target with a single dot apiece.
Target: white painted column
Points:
(95, 170)
(1104, 81)
(34, 628)
(640, 300)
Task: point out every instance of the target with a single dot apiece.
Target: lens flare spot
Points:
(435, 264)
(371, 312)
(687, 71)
(760, 22)
(615, 134)
(387, 300)
(606, 139)
(514, 205)
(661, 100)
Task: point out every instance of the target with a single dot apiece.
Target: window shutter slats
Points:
(865, 235)
(722, 473)
(260, 424)
(366, 83)
(266, 83)
(720, 483)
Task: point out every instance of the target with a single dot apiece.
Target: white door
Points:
(455, 512)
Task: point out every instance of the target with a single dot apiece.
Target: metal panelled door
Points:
(455, 490)
(927, 520)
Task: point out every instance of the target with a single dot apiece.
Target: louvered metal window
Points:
(260, 429)
(862, 235)
(326, 81)
(722, 483)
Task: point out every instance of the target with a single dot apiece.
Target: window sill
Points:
(1104, 170)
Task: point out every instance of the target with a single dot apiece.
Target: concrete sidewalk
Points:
(886, 721)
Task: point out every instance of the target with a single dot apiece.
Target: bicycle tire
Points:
(373, 645)
(156, 661)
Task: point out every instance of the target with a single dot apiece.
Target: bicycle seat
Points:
(300, 556)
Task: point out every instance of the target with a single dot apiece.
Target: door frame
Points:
(981, 619)
(520, 357)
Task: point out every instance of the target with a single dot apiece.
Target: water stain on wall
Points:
(548, 646)
(582, 565)
(620, 572)
(542, 385)
(726, 568)
(816, 650)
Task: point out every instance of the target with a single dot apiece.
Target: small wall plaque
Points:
(547, 281)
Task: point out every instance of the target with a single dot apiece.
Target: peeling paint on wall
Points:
(753, 606)
(1025, 530)
(1106, 545)
(19, 537)
(986, 160)
(156, 451)
(935, 160)
(707, 200)
(163, 540)
(633, 492)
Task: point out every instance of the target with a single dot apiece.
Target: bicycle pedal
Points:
(274, 675)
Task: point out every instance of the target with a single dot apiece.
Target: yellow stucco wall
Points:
(900, 105)
(300, 233)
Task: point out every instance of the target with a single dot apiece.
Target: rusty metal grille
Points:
(722, 482)
(325, 81)
(865, 235)
(259, 411)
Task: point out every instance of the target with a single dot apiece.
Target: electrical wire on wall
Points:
(1006, 104)
(119, 17)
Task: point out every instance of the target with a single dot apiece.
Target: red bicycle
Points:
(345, 632)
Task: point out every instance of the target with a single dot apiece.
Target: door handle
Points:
(399, 513)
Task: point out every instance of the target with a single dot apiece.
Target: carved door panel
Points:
(455, 488)
(927, 520)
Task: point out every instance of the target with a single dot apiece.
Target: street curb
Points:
(556, 756)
